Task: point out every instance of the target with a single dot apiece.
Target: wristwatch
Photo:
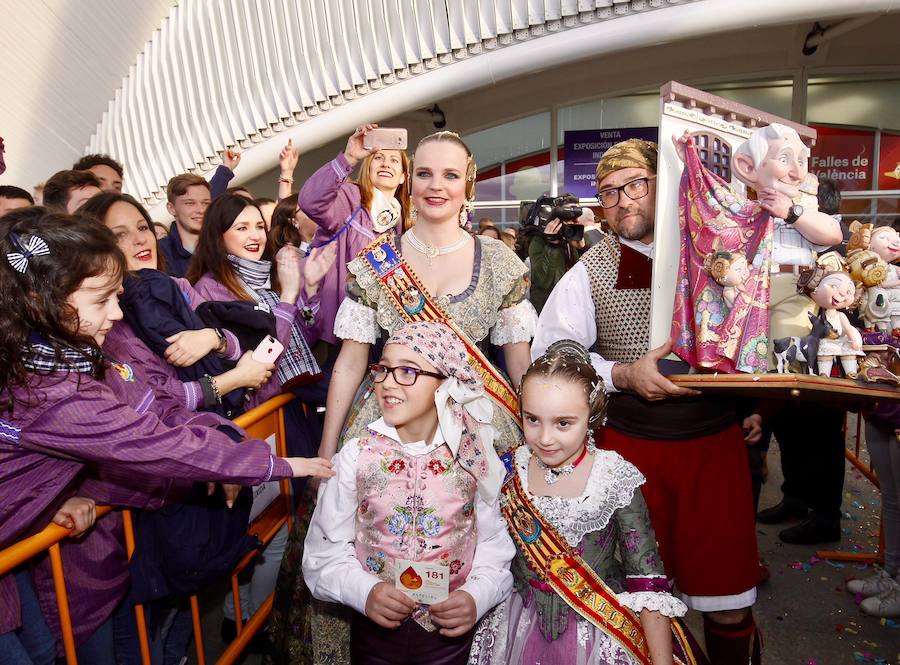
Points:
(794, 213)
(223, 341)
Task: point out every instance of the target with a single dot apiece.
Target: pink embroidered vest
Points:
(420, 508)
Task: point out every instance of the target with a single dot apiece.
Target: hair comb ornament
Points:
(33, 246)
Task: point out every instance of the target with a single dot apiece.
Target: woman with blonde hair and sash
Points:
(438, 272)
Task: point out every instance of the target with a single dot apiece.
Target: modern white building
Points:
(166, 86)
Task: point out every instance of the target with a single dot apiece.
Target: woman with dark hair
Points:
(73, 420)
(232, 262)
(290, 226)
(351, 213)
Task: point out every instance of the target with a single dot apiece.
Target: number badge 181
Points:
(422, 582)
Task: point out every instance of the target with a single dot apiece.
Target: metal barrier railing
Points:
(853, 456)
(264, 421)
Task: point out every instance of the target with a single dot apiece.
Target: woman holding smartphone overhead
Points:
(350, 213)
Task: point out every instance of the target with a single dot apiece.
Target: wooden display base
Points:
(788, 387)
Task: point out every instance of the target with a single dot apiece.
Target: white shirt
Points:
(790, 247)
(334, 574)
(565, 315)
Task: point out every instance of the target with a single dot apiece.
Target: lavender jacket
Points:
(124, 444)
(210, 288)
(330, 200)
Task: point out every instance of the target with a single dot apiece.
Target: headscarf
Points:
(631, 153)
(465, 412)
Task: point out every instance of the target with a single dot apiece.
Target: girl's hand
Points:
(311, 466)
(252, 373)
(355, 152)
(288, 159)
(188, 346)
(456, 615)
(388, 606)
(316, 266)
(287, 264)
(77, 513)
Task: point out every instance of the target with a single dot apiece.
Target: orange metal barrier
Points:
(260, 423)
(865, 469)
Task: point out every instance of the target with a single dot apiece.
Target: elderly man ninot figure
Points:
(779, 233)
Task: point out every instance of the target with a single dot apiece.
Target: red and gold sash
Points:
(559, 566)
(406, 293)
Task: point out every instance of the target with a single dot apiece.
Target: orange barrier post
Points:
(62, 601)
(139, 616)
(865, 469)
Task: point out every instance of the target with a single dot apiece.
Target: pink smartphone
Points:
(268, 350)
(385, 138)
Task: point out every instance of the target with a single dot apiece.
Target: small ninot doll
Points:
(833, 290)
(730, 270)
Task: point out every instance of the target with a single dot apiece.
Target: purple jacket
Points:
(124, 444)
(211, 289)
(330, 201)
(123, 345)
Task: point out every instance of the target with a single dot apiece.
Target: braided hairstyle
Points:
(569, 360)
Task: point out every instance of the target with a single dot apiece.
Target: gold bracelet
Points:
(289, 181)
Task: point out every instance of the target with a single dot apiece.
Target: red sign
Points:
(845, 156)
(889, 161)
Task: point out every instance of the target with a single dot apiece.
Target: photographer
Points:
(556, 239)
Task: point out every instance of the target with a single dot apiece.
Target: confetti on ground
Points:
(834, 564)
(890, 623)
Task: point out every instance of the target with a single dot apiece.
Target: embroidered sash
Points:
(406, 292)
(558, 565)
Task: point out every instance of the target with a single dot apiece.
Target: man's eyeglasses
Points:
(404, 376)
(634, 190)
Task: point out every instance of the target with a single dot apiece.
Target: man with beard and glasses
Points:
(690, 448)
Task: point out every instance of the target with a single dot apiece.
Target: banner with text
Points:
(584, 147)
(844, 155)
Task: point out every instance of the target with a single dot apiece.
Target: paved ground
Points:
(806, 615)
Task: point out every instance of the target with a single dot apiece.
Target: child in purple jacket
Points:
(70, 419)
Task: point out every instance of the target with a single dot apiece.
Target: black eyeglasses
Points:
(404, 376)
(634, 190)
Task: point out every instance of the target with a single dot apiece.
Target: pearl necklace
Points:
(554, 473)
(431, 251)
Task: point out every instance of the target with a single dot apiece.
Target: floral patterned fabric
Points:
(419, 508)
(706, 332)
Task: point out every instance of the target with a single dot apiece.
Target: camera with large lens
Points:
(537, 214)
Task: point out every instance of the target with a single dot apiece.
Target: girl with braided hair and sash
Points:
(565, 500)
(419, 485)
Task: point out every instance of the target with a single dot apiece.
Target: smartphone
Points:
(385, 138)
(268, 350)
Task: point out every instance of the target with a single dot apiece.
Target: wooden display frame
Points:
(788, 387)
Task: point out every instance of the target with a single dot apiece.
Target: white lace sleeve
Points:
(356, 321)
(660, 601)
(515, 324)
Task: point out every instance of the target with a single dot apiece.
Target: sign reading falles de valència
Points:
(584, 147)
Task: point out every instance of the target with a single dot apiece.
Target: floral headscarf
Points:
(464, 410)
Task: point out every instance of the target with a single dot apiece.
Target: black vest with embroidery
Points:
(620, 279)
